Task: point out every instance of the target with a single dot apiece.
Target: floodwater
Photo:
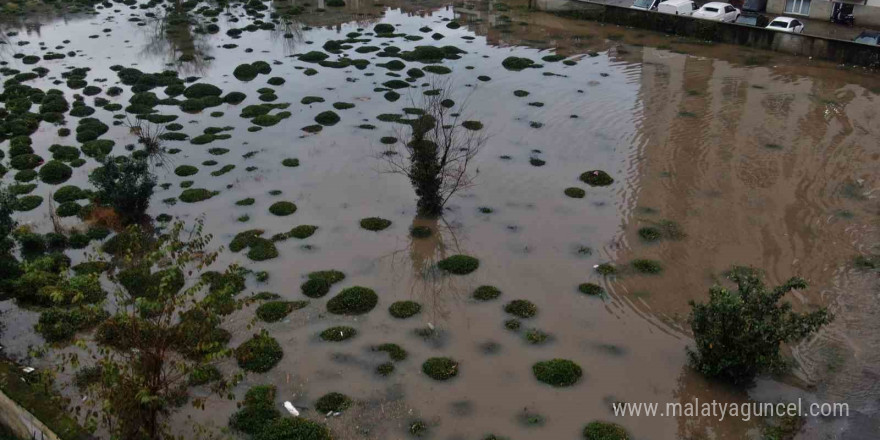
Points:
(761, 159)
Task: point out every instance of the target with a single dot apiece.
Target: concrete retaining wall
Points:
(839, 51)
(22, 423)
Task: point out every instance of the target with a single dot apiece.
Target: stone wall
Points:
(21, 422)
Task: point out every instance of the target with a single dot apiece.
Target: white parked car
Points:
(716, 11)
(677, 7)
(786, 24)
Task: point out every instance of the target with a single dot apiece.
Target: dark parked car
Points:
(869, 37)
(754, 5)
(752, 19)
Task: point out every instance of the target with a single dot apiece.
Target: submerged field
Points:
(719, 155)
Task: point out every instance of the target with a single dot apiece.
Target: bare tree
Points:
(435, 149)
(150, 136)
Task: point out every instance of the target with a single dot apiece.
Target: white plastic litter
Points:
(291, 409)
(28, 370)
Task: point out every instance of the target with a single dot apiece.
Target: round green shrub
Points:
(606, 269)
(383, 28)
(25, 175)
(575, 193)
(78, 240)
(459, 264)
(201, 90)
(650, 233)
(591, 289)
(354, 300)
(486, 293)
(517, 63)
(521, 308)
(28, 203)
(282, 208)
(19, 189)
(437, 69)
(25, 161)
(472, 125)
(333, 402)
(440, 368)
(193, 195)
(375, 223)
(338, 333)
(302, 232)
(557, 372)
(647, 266)
(605, 431)
(262, 67)
(65, 153)
(313, 56)
(307, 100)
(395, 352)
(385, 369)
(244, 239)
(294, 428)
(273, 311)
(81, 111)
(536, 337)
(290, 162)
(404, 309)
(234, 98)
(68, 209)
(245, 72)
(258, 410)
(186, 170)
(327, 118)
(331, 276)
(596, 178)
(259, 354)
(262, 249)
(55, 172)
(315, 287)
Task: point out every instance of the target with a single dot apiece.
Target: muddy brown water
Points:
(761, 159)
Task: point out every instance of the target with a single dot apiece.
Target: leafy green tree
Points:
(738, 333)
(160, 338)
(9, 267)
(126, 185)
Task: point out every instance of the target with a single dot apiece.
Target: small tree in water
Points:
(436, 151)
(162, 335)
(738, 333)
(126, 185)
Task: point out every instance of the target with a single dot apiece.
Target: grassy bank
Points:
(41, 402)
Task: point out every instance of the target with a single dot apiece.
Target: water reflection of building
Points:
(364, 12)
(741, 159)
(751, 162)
